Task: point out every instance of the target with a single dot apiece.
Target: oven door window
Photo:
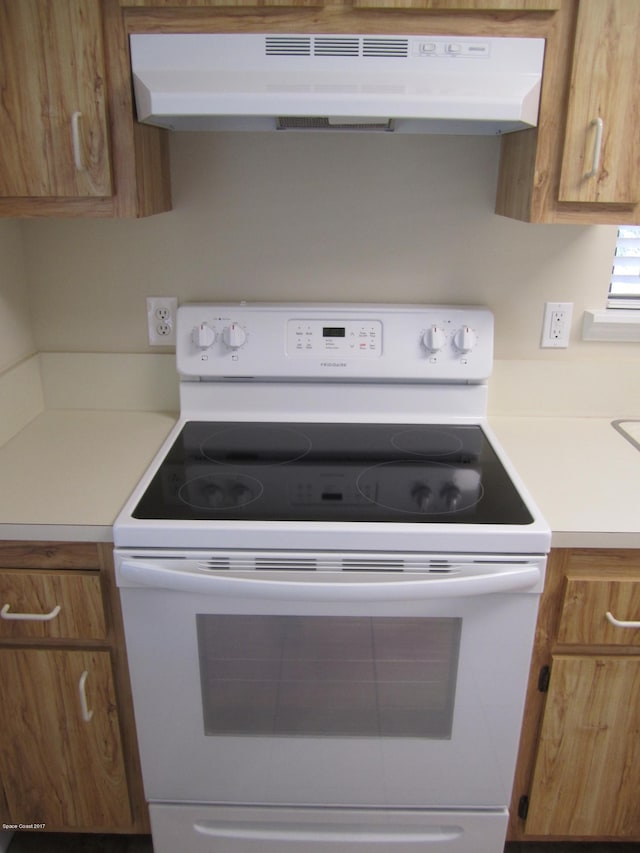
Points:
(328, 676)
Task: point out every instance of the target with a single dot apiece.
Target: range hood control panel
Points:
(410, 343)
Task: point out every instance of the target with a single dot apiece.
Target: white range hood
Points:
(403, 83)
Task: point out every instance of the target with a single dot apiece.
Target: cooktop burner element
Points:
(426, 441)
(332, 472)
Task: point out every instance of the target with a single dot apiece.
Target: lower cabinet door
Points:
(587, 772)
(238, 829)
(61, 760)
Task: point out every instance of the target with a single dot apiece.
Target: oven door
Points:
(390, 688)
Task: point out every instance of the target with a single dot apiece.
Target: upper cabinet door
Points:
(601, 158)
(53, 118)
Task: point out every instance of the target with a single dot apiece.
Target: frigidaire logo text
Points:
(333, 364)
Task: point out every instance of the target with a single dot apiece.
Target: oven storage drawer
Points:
(51, 605)
(201, 829)
(600, 611)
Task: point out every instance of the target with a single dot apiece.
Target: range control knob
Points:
(434, 338)
(204, 336)
(234, 336)
(465, 339)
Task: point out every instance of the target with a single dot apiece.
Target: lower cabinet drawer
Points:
(51, 605)
(240, 829)
(600, 611)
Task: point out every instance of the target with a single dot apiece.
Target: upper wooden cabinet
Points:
(70, 145)
(601, 157)
(582, 163)
(54, 117)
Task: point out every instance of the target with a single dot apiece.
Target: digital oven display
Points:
(333, 331)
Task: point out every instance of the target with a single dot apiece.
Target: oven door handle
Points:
(489, 578)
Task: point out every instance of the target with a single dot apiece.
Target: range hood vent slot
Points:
(355, 46)
(388, 47)
(336, 46)
(287, 46)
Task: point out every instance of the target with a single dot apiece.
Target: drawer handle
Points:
(84, 705)
(29, 617)
(597, 147)
(76, 135)
(619, 623)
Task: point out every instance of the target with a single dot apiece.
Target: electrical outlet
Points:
(556, 325)
(161, 320)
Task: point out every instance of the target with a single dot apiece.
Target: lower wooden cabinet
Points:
(578, 773)
(587, 771)
(68, 750)
(61, 751)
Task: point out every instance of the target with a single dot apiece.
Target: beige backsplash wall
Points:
(321, 217)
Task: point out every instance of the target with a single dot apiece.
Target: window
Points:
(624, 287)
(315, 676)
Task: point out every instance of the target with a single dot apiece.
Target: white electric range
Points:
(330, 577)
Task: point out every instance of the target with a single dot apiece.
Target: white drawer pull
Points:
(84, 707)
(619, 623)
(597, 147)
(76, 136)
(29, 617)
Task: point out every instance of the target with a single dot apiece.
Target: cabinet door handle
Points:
(597, 147)
(77, 141)
(29, 617)
(619, 623)
(84, 706)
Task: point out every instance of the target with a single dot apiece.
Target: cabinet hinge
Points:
(543, 679)
(523, 807)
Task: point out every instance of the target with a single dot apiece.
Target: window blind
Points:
(624, 286)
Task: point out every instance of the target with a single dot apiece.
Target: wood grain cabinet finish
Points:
(462, 5)
(587, 773)
(588, 600)
(70, 145)
(53, 121)
(582, 163)
(601, 157)
(68, 749)
(61, 751)
(433, 5)
(212, 4)
(578, 772)
(58, 605)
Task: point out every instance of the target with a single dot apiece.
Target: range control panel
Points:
(428, 343)
(351, 338)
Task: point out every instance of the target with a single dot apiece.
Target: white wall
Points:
(319, 217)
(16, 336)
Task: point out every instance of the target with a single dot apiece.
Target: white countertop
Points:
(583, 474)
(66, 475)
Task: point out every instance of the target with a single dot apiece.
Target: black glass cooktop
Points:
(333, 472)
